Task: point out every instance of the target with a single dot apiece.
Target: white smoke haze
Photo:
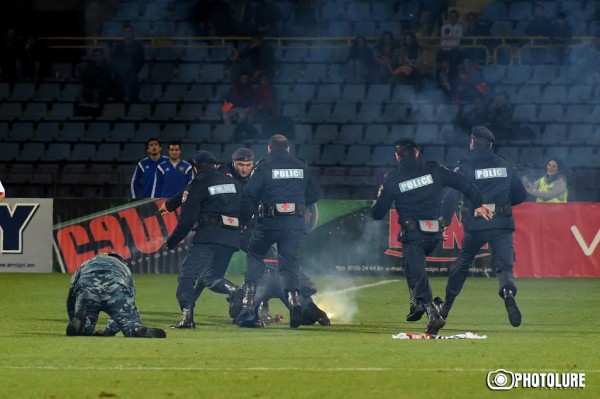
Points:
(338, 300)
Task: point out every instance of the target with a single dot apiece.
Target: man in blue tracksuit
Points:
(143, 181)
(173, 174)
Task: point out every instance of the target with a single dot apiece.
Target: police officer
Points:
(284, 185)
(502, 189)
(105, 283)
(415, 187)
(211, 202)
(240, 167)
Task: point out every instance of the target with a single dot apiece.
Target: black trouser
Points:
(414, 253)
(207, 262)
(288, 243)
(501, 241)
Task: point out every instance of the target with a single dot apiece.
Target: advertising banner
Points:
(26, 241)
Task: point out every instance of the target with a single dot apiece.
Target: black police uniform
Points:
(211, 202)
(284, 185)
(501, 188)
(415, 187)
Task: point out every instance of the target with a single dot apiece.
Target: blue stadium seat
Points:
(222, 133)
(57, 152)
(128, 11)
(34, 111)
(331, 11)
(518, 74)
(139, 112)
(378, 93)
(302, 92)
(73, 131)
(123, 132)
(145, 131)
(353, 93)
(175, 92)
(358, 154)
(554, 94)
(195, 54)
(113, 112)
(187, 73)
(495, 11)
(533, 156)
(168, 54)
(435, 153)
(579, 94)
(524, 113)
(395, 113)
(402, 132)
(211, 73)
(322, 55)
(97, 132)
(190, 112)
(60, 111)
(303, 133)
(363, 28)
(356, 11)
(163, 28)
(543, 74)
(344, 112)
(550, 113)
(337, 73)
(108, 152)
(32, 152)
(512, 153)
(10, 152)
(112, 29)
(422, 113)
(553, 133)
(46, 131)
(369, 113)
(376, 134)
(162, 72)
(47, 92)
(309, 152)
(577, 113)
(520, 10)
(333, 154)
(582, 157)
(198, 133)
(70, 92)
(578, 134)
(319, 112)
(328, 92)
(528, 94)
(132, 152)
(382, 155)
(21, 131)
(296, 111)
(10, 111)
(173, 131)
(428, 133)
(83, 152)
(212, 112)
(338, 28)
(199, 92)
(4, 91)
(446, 113)
(351, 134)
(325, 134)
(313, 73)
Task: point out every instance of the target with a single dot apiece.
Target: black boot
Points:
(443, 307)
(246, 317)
(263, 317)
(149, 332)
(77, 323)
(187, 319)
(416, 309)
(248, 298)
(311, 314)
(295, 309)
(514, 314)
(435, 322)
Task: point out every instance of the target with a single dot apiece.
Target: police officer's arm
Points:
(254, 187)
(450, 202)
(458, 182)
(518, 193)
(189, 212)
(136, 180)
(385, 198)
(312, 188)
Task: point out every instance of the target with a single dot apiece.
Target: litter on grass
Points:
(467, 335)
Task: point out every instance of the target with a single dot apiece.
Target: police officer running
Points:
(502, 189)
(212, 202)
(415, 188)
(104, 283)
(284, 186)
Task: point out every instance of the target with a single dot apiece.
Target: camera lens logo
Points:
(500, 380)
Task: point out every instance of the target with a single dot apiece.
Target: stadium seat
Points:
(4, 91)
(138, 112)
(112, 112)
(518, 74)
(579, 94)
(446, 113)
(524, 113)
(34, 111)
(150, 92)
(122, 132)
(554, 94)
(376, 134)
(83, 152)
(198, 133)
(302, 92)
(47, 92)
(351, 134)
(579, 135)
(97, 132)
(223, 133)
(434, 153)
(132, 152)
(328, 92)
(319, 112)
(174, 93)
(582, 157)
(422, 113)
(162, 72)
(512, 153)
(577, 113)
(10, 111)
(58, 152)
(325, 134)
(378, 93)
(520, 10)
(173, 131)
(70, 92)
(528, 94)
(62, 71)
(428, 134)
(108, 152)
(550, 113)
(186, 73)
(543, 74)
(313, 73)
(190, 112)
(211, 73)
(32, 152)
(72, 131)
(309, 152)
(60, 111)
(333, 154)
(395, 113)
(362, 28)
(455, 154)
(344, 113)
(382, 155)
(302, 133)
(369, 113)
(195, 54)
(165, 112)
(10, 152)
(402, 132)
(22, 131)
(553, 134)
(353, 93)
(146, 131)
(46, 131)
(358, 154)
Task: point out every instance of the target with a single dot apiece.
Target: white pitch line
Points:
(360, 287)
(307, 369)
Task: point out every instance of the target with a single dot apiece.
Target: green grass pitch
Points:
(356, 359)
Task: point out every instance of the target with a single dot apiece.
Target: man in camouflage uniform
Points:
(104, 283)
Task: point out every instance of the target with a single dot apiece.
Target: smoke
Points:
(338, 300)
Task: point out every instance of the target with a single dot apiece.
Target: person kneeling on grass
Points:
(105, 283)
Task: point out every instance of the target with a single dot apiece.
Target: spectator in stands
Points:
(435, 10)
(257, 59)
(360, 61)
(96, 78)
(470, 82)
(474, 114)
(500, 113)
(304, 19)
(11, 49)
(241, 14)
(451, 33)
(409, 61)
(386, 51)
(143, 181)
(174, 174)
(552, 187)
(267, 18)
(127, 62)
(266, 107)
(32, 59)
(211, 18)
(561, 35)
(446, 77)
(240, 102)
(474, 28)
(2, 192)
(539, 24)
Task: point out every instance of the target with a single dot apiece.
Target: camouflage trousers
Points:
(114, 299)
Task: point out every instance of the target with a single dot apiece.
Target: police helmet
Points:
(204, 157)
(243, 154)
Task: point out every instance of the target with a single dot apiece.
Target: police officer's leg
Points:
(190, 270)
(311, 313)
(416, 309)
(260, 242)
(288, 244)
(254, 319)
(87, 307)
(214, 278)
(459, 271)
(502, 244)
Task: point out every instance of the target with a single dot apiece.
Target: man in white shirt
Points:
(451, 34)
